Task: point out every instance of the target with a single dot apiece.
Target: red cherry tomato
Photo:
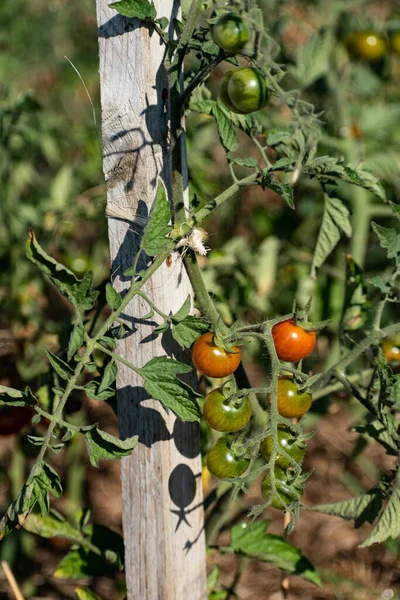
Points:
(14, 418)
(213, 360)
(292, 342)
(223, 416)
(291, 404)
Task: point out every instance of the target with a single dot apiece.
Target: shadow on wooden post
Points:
(161, 482)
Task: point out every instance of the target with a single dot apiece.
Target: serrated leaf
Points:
(161, 328)
(381, 430)
(12, 397)
(252, 540)
(103, 445)
(361, 509)
(60, 367)
(276, 138)
(157, 227)
(312, 59)
(389, 239)
(283, 189)
(136, 9)
(183, 312)
(113, 298)
(244, 162)
(226, 129)
(388, 524)
(335, 221)
(396, 209)
(51, 525)
(86, 594)
(189, 329)
(162, 384)
(109, 376)
(76, 340)
(378, 282)
(92, 391)
(79, 290)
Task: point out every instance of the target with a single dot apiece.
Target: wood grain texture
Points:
(161, 481)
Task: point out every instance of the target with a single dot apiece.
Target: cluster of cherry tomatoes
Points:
(230, 414)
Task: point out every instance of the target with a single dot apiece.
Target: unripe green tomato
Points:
(231, 33)
(243, 90)
(395, 42)
(222, 461)
(288, 442)
(222, 416)
(366, 45)
(286, 493)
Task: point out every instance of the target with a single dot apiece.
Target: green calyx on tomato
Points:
(231, 33)
(285, 494)
(290, 402)
(292, 342)
(225, 459)
(226, 416)
(366, 45)
(244, 90)
(213, 360)
(289, 443)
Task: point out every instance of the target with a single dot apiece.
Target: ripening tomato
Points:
(289, 443)
(395, 42)
(391, 349)
(224, 416)
(243, 90)
(367, 45)
(231, 33)
(291, 404)
(286, 493)
(222, 462)
(14, 418)
(212, 360)
(292, 342)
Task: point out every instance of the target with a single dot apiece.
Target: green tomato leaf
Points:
(244, 162)
(252, 540)
(86, 594)
(388, 524)
(162, 384)
(60, 367)
(113, 298)
(51, 525)
(335, 221)
(361, 509)
(157, 227)
(213, 579)
(136, 9)
(283, 189)
(189, 329)
(389, 239)
(183, 311)
(92, 391)
(76, 340)
(13, 397)
(103, 445)
(78, 290)
(226, 129)
(312, 59)
(109, 376)
(378, 282)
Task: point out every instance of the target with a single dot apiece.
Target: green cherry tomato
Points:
(243, 90)
(395, 42)
(231, 33)
(212, 360)
(367, 45)
(291, 404)
(288, 442)
(292, 342)
(223, 416)
(222, 461)
(286, 493)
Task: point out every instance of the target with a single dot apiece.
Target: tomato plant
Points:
(288, 442)
(292, 342)
(285, 493)
(367, 45)
(231, 33)
(224, 461)
(226, 416)
(291, 403)
(213, 360)
(244, 90)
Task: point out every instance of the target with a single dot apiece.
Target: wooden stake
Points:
(12, 582)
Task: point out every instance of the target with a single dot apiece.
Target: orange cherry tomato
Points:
(291, 404)
(212, 360)
(292, 342)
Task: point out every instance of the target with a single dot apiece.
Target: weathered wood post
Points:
(161, 482)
